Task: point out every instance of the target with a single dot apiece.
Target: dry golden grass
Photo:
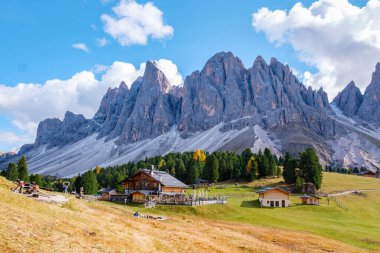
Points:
(81, 226)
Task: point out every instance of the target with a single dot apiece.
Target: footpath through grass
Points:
(359, 226)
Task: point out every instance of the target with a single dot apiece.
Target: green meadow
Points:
(357, 224)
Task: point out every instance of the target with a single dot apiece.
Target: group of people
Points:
(23, 187)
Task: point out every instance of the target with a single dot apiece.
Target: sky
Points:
(60, 55)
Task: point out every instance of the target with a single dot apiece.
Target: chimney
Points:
(151, 171)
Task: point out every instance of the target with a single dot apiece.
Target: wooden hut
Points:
(106, 193)
(310, 200)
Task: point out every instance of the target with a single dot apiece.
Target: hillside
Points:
(238, 227)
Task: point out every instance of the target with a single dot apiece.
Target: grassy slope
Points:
(360, 226)
(27, 224)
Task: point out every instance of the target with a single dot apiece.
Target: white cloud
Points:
(26, 104)
(134, 23)
(102, 42)
(170, 70)
(122, 71)
(340, 39)
(81, 46)
(13, 140)
(99, 68)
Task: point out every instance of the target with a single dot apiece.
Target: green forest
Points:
(189, 167)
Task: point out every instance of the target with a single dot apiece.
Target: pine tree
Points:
(194, 172)
(180, 170)
(263, 165)
(23, 169)
(89, 182)
(311, 168)
(246, 156)
(212, 168)
(78, 183)
(289, 171)
(253, 168)
(12, 172)
(271, 171)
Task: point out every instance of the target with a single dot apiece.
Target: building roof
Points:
(145, 192)
(308, 197)
(106, 190)
(266, 189)
(165, 178)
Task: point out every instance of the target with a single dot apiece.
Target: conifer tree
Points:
(12, 172)
(311, 168)
(289, 171)
(23, 169)
(89, 182)
(246, 155)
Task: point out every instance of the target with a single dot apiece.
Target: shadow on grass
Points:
(256, 204)
(250, 204)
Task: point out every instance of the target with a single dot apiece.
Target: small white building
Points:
(274, 197)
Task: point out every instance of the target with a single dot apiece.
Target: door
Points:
(283, 203)
(272, 204)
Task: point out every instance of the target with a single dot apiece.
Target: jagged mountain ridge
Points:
(362, 106)
(255, 107)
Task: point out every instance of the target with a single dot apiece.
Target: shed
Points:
(106, 193)
(274, 197)
(310, 200)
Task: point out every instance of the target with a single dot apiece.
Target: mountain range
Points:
(222, 107)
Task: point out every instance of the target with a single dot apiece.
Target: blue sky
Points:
(38, 38)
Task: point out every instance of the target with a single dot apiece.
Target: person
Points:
(22, 184)
(136, 214)
(65, 187)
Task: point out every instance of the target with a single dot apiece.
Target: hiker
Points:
(136, 214)
(21, 184)
(65, 187)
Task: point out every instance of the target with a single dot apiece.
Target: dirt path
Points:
(47, 198)
(349, 192)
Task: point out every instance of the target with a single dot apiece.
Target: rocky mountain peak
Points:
(154, 78)
(349, 99)
(370, 108)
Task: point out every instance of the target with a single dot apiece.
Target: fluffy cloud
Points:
(340, 39)
(170, 70)
(13, 140)
(26, 104)
(81, 46)
(134, 23)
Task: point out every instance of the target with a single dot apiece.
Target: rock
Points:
(349, 100)
(370, 108)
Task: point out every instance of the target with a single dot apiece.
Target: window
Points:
(268, 202)
(277, 203)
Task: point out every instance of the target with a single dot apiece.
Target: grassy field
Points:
(359, 226)
(239, 226)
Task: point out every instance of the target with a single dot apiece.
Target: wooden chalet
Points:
(274, 197)
(152, 182)
(106, 193)
(369, 173)
(310, 200)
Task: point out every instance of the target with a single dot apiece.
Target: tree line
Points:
(191, 168)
